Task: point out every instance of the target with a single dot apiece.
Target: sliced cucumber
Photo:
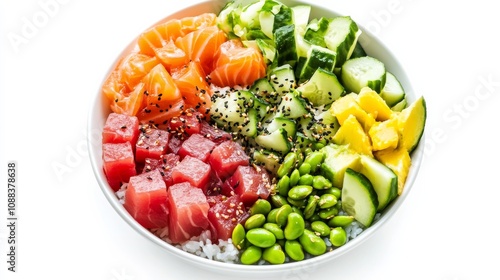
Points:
(317, 57)
(393, 91)
(280, 122)
(338, 158)
(361, 72)
(400, 106)
(234, 111)
(322, 89)
(383, 179)
(359, 199)
(358, 51)
(277, 141)
(268, 159)
(341, 37)
(300, 16)
(286, 47)
(315, 31)
(268, 50)
(292, 106)
(282, 78)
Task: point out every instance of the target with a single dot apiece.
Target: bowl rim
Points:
(383, 53)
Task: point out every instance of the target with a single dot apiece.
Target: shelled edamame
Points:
(299, 217)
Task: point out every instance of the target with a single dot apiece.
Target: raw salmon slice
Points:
(194, 88)
(236, 64)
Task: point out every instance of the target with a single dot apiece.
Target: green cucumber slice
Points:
(341, 37)
(322, 89)
(361, 72)
(383, 179)
(359, 199)
(393, 91)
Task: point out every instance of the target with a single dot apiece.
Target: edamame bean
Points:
(282, 214)
(251, 255)
(275, 229)
(261, 237)
(274, 254)
(300, 192)
(328, 213)
(312, 243)
(310, 208)
(340, 221)
(321, 228)
(321, 183)
(271, 217)
(261, 206)
(294, 177)
(255, 221)
(335, 191)
(306, 179)
(283, 185)
(278, 200)
(294, 250)
(327, 200)
(297, 203)
(314, 159)
(294, 227)
(338, 236)
(287, 165)
(238, 236)
(304, 168)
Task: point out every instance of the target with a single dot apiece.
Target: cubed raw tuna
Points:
(118, 163)
(146, 199)
(188, 210)
(196, 146)
(188, 123)
(152, 143)
(226, 157)
(214, 134)
(250, 184)
(165, 165)
(224, 214)
(120, 128)
(194, 171)
(174, 143)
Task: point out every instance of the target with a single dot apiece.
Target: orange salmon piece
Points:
(171, 56)
(235, 64)
(201, 45)
(135, 66)
(195, 90)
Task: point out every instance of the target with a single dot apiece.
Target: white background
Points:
(446, 229)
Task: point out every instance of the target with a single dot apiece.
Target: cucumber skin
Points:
(365, 183)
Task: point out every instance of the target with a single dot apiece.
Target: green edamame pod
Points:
(297, 203)
(321, 228)
(314, 159)
(278, 200)
(304, 168)
(338, 236)
(251, 255)
(310, 208)
(275, 229)
(282, 214)
(261, 237)
(328, 213)
(287, 165)
(340, 221)
(261, 206)
(321, 183)
(335, 191)
(283, 185)
(327, 200)
(255, 221)
(306, 179)
(294, 227)
(294, 250)
(238, 236)
(294, 177)
(271, 217)
(274, 254)
(312, 243)
(300, 192)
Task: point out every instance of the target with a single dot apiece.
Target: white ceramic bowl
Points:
(373, 47)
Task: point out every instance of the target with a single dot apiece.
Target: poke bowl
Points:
(256, 137)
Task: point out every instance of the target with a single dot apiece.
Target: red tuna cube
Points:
(165, 165)
(226, 157)
(174, 143)
(186, 124)
(250, 184)
(146, 199)
(188, 208)
(120, 128)
(152, 143)
(224, 214)
(119, 164)
(194, 171)
(213, 133)
(196, 146)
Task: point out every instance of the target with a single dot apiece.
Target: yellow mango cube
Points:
(351, 133)
(399, 161)
(384, 135)
(372, 103)
(346, 106)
